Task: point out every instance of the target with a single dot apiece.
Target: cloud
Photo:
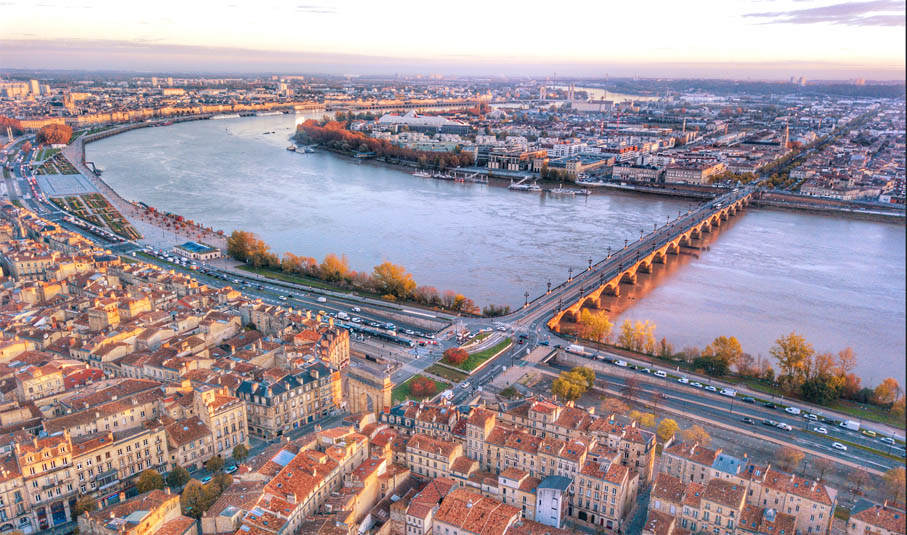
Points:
(871, 13)
(314, 8)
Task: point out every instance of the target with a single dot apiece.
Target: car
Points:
(812, 417)
(838, 446)
(711, 388)
(230, 469)
(792, 410)
(769, 422)
(820, 430)
(749, 420)
(621, 363)
(683, 380)
(748, 400)
(868, 433)
(356, 309)
(523, 336)
(887, 440)
(464, 384)
(502, 329)
(783, 426)
(356, 320)
(206, 479)
(697, 384)
(645, 370)
(660, 373)
(409, 332)
(322, 300)
(283, 298)
(769, 405)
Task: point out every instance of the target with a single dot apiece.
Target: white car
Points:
(812, 417)
(502, 329)
(711, 388)
(356, 309)
(887, 440)
(792, 410)
(820, 430)
(464, 384)
(621, 363)
(322, 300)
(697, 384)
(646, 370)
(660, 373)
(784, 426)
(683, 380)
(839, 446)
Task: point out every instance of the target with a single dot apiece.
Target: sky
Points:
(827, 39)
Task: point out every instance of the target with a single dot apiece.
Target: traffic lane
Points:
(754, 410)
(725, 413)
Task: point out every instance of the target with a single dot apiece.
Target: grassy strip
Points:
(293, 279)
(447, 373)
(476, 359)
(401, 392)
(850, 444)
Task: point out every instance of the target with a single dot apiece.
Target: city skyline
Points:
(756, 40)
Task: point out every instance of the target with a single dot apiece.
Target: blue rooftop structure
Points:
(284, 457)
(728, 463)
(560, 483)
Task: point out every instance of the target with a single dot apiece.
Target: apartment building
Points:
(604, 495)
(190, 443)
(295, 399)
(15, 511)
(157, 511)
(431, 457)
(47, 473)
(692, 172)
(867, 518)
(224, 415)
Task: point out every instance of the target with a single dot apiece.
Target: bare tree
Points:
(630, 389)
(822, 465)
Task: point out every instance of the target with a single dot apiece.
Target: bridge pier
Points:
(628, 278)
(644, 268)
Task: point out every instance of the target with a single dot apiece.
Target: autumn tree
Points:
(595, 325)
(191, 499)
(645, 419)
(696, 434)
(665, 349)
(240, 452)
(847, 361)
(334, 268)
(666, 429)
(614, 406)
(894, 483)
(393, 279)
(422, 387)
(725, 349)
(571, 385)
(887, 392)
(247, 247)
(792, 353)
(455, 356)
(789, 458)
(54, 134)
(149, 480)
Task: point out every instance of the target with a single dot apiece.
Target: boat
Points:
(534, 188)
(266, 113)
(560, 190)
(422, 174)
(292, 148)
(226, 116)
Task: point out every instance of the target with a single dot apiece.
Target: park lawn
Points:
(450, 374)
(401, 392)
(476, 359)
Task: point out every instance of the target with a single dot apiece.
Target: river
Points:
(838, 281)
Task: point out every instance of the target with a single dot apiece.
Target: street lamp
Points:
(626, 241)
(582, 290)
(560, 303)
(570, 276)
(641, 232)
(549, 287)
(526, 295)
(609, 251)
(590, 262)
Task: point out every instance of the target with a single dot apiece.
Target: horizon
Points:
(756, 39)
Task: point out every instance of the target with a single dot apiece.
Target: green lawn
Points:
(401, 392)
(447, 373)
(476, 359)
(271, 274)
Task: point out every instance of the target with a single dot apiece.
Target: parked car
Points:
(697, 384)
(820, 430)
(660, 373)
(206, 479)
(839, 446)
(711, 388)
(621, 363)
(230, 469)
(749, 420)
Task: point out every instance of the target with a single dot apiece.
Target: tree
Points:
(247, 247)
(422, 387)
(595, 325)
(711, 365)
(822, 390)
(894, 483)
(393, 279)
(627, 337)
(746, 366)
(666, 430)
(726, 349)
(614, 406)
(334, 268)
(149, 480)
(645, 419)
(859, 479)
(789, 458)
(178, 477)
(847, 360)
(665, 349)
(887, 392)
(630, 389)
(214, 464)
(190, 499)
(571, 385)
(792, 353)
(54, 134)
(455, 356)
(240, 452)
(85, 504)
(697, 434)
(822, 465)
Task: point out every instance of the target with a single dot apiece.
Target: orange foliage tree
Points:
(455, 356)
